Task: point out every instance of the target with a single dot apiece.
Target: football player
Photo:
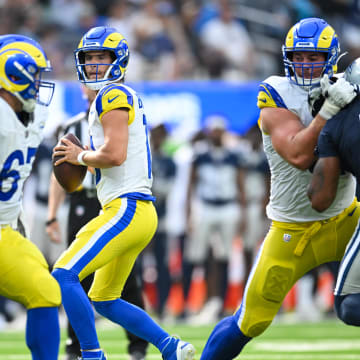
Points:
(110, 243)
(24, 273)
(84, 206)
(299, 238)
(337, 151)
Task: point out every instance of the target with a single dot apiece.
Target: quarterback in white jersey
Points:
(134, 174)
(110, 243)
(299, 238)
(24, 273)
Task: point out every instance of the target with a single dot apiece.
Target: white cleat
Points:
(185, 351)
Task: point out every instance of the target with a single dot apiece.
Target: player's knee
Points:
(46, 292)
(257, 328)
(65, 277)
(277, 283)
(252, 328)
(347, 308)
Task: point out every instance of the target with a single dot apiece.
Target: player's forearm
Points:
(324, 183)
(304, 143)
(103, 158)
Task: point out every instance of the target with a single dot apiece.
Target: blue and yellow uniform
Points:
(112, 241)
(299, 238)
(24, 273)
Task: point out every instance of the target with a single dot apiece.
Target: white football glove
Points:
(337, 95)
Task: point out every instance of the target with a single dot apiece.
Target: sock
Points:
(92, 354)
(43, 333)
(133, 319)
(347, 308)
(225, 342)
(78, 308)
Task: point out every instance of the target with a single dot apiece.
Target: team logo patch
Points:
(286, 237)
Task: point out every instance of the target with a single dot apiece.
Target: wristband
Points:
(328, 110)
(49, 222)
(81, 156)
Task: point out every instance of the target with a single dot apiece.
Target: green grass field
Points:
(328, 340)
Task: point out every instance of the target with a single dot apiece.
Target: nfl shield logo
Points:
(286, 237)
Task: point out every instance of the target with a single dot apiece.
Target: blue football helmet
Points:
(22, 64)
(312, 35)
(103, 38)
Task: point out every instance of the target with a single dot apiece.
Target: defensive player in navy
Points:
(110, 243)
(24, 273)
(338, 153)
(299, 238)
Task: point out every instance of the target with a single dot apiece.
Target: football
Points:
(69, 176)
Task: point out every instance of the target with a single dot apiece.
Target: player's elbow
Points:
(117, 160)
(301, 165)
(301, 162)
(319, 207)
(320, 204)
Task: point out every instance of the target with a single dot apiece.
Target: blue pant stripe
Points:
(104, 239)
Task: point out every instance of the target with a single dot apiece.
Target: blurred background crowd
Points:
(180, 39)
(212, 190)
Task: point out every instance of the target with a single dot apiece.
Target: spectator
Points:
(217, 184)
(221, 58)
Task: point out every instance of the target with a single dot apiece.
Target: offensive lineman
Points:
(24, 273)
(300, 238)
(110, 243)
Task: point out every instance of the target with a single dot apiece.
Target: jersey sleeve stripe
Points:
(129, 96)
(105, 90)
(273, 94)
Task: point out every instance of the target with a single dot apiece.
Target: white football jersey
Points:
(18, 145)
(134, 175)
(288, 198)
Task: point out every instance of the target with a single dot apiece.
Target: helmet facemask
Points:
(22, 65)
(22, 78)
(306, 74)
(310, 35)
(102, 39)
(114, 73)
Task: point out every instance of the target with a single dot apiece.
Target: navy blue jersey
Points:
(217, 170)
(164, 170)
(340, 137)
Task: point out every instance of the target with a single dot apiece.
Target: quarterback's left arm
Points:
(323, 185)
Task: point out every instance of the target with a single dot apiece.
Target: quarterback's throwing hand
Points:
(337, 95)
